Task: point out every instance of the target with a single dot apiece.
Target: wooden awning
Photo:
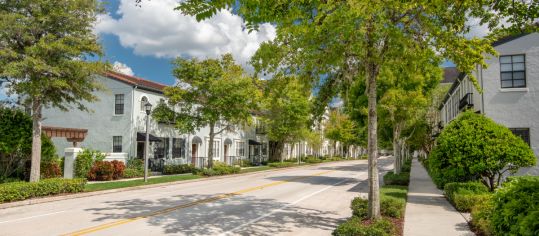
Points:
(71, 134)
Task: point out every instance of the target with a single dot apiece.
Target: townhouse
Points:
(510, 89)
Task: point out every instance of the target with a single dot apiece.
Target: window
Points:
(178, 148)
(264, 149)
(119, 104)
(240, 148)
(143, 102)
(513, 71)
(116, 143)
(161, 148)
(215, 148)
(523, 133)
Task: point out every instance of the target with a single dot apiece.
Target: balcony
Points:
(260, 129)
(466, 101)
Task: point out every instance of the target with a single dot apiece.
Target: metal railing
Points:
(466, 101)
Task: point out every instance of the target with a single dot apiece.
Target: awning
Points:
(196, 140)
(141, 137)
(254, 142)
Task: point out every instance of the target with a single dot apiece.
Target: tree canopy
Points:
(211, 92)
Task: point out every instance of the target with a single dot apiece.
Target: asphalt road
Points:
(309, 200)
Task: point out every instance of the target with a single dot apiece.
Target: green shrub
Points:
(16, 191)
(466, 195)
(481, 214)
(401, 179)
(16, 145)
(133, 173)
(311, 159)
(363, 157)
(356, 227)
(218, 168)
(389, 207)
(407, 166)
(177, 169)
(475, 147)
(135, 163)
(516, 207)
(85, 160)
(281, 164)
(246, 163)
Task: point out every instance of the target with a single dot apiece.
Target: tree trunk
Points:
(374, 194)
(397, 150)
(36, 141)
(276, 150)
(210, 145)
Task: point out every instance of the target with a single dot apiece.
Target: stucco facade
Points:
(515, 103)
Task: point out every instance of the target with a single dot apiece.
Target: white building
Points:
(116, 125)
(510, 88)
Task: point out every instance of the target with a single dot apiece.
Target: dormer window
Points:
(513, 71)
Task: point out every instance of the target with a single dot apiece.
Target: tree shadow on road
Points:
(212, 218)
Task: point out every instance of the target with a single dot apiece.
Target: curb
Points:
(47, 199)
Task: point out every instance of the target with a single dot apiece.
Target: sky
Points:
(144, 40)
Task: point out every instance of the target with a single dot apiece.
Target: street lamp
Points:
(148, 109)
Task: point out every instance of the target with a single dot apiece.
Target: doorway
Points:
(194, 150)
(140, 149)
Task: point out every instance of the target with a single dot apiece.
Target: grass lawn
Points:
(394, 191)
(254, 169)
(138, 182)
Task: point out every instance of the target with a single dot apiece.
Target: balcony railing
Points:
(260, 130)
(466, 101)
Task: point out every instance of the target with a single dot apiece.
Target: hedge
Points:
(281, 164)
(17, 191)
(389, 207)
(401, 179)
(466, 195)
(516, 207)
(177, 169)
(356, 227)
(218, 168)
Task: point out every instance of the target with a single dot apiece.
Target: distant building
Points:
(510, 87)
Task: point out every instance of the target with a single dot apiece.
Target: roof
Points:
(450, 75)
(136, 81)
(453, 87)
(508, 39)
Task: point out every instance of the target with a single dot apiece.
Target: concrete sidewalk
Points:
(428, 212)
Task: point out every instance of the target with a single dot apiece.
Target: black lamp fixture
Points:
(148, 108)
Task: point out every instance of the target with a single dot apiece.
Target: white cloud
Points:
(155, 29)
(122, 68)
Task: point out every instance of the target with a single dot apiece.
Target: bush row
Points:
(466, 195)
(512, 210)
(177, 169)
(401, 179)
(106, 171)
(218, 168)
(281, 164)
(16, 191)
(392, 205)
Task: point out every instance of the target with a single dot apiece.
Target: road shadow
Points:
(213, 218)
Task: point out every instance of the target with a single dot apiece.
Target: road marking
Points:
(280, 209)
(182, 206)
(31, 217)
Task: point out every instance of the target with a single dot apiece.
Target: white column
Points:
(69, 162)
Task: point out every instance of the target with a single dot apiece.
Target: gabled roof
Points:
(508, 39)
(136, 81)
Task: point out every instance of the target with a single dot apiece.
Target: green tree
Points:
(15, 143)
(474, 145)
(212, 92)
(338, 42)
(44, 55)
(286, 112)
(339, 128)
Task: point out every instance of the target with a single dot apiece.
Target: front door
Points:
(140, 149)
(193, 154)
(226, 153)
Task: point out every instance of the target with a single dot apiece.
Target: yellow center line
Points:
(190, 204)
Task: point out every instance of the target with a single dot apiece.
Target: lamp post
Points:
(148, 108)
